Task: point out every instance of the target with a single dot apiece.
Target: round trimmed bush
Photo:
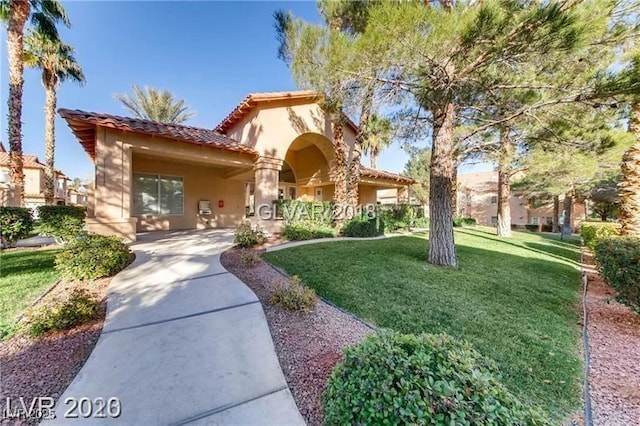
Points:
(392, 378)
(92, 256)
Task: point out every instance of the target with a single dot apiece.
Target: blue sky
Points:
(212, 54)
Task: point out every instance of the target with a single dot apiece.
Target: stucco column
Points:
(112, 188)
(267, 175)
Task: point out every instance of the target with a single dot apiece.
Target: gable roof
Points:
(28, 161)
(253, 99)
(84, 124)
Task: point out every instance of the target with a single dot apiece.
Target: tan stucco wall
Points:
(33, 181)
(200, 183)
(111, 200)
(271, 128)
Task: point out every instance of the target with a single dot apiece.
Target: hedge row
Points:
(592, 232)
(307, 231)
(15, 223)
(618, 260)
(364, 227)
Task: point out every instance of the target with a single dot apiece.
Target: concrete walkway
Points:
(184, 342)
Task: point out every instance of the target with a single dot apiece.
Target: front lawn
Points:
(515, 299)
(24, 275)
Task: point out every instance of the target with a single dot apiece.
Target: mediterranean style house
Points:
(478, 198)
(156, 176)
(33, 181)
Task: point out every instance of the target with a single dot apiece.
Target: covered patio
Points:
(156, 176)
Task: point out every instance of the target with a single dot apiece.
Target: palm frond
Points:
(157, 105)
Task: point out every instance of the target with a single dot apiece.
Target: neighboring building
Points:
(78, 197)
(478, 198)
(33, 181)
(154, 176)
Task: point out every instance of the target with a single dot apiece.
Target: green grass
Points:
(514, 299)
(24, 275)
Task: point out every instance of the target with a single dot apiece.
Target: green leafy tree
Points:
(446, 58)
(379, 137)
(156, 105)
(43, 16)
(57, 62)
(418, 168)
(311, 52)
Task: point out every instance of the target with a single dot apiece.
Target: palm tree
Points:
(57, 62)
(156, 105)
(379, 137)
(630, 185)
(44, 15)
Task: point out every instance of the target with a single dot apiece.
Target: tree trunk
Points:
(504, 186)
(441, 241)
(18, 14)
(556, 213)
(454, 190)
(354, 166)
(49, 141)
(567, 204)
(339, 172)
(372, 161)
(629, 187)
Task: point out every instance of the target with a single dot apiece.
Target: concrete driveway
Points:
(184, 342)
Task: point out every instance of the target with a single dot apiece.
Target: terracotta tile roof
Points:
(29, 161)
(253, 99)
(84, 123)
(381, 174)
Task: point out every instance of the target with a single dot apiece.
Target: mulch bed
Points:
(308, 345)
(614, 343)
(45, 366)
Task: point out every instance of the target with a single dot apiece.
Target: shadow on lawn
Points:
(26, 261)
(557, 249)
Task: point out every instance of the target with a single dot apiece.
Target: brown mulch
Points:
(308, 345)
(45, 366)
(614, 345)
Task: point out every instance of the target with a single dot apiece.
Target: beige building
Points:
(478, 198)
(154, 176)
(33, 181)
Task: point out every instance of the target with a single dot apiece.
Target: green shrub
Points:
(307, 231)
(250, 258)
(402, 216)
(391, 378)
(532, 228)
(295, 212)
(91, 257)
(592, 232)
(460, 221)
(364, 227)
(15, 223)
(618, 260)
(78, 308)
(248, 236)
(292, 295)
(421, 222)
(61, 222)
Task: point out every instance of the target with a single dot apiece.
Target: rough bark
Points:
(339, 171)
(556, 213)
(454, 190)
(441, 241)
(629, 187)
(353, 187)
(567, 204)
(49, 141)
(504, 186)
(18, 14)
